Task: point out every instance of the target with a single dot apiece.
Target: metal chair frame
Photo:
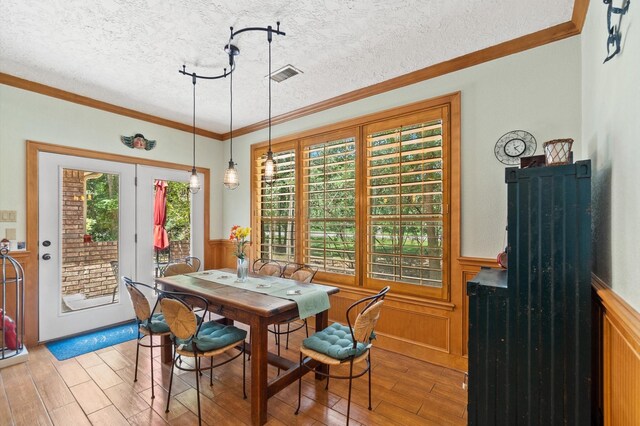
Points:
(191, 260)
(371, 299)
(198, 302)
(132, 284)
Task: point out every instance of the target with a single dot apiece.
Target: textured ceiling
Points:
(128, 52)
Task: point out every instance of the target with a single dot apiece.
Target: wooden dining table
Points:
(258, 311)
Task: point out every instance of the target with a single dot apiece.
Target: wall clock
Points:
(513, 145)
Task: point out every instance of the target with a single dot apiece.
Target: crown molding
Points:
(530, 41)
(539, 38)
(43, 89)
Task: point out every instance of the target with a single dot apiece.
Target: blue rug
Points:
(85, 343)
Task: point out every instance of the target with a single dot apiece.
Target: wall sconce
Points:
(615, 36)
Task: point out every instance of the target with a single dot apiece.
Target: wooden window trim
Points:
(351, 132)
(424, 115)
(450, 104)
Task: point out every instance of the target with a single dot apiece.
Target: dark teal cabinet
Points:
(548, 290)
(491, 367)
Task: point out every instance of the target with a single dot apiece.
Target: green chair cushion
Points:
(334, 341)
(212, 336)
(156, 324)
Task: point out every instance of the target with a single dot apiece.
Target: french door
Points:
(95, 226)
(148, 263)
(80, 260)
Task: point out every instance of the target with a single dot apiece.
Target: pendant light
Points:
(269, 164)
(231, 180)
(194, 181)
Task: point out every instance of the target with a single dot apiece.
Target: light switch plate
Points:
(10, 233)
(8, 215)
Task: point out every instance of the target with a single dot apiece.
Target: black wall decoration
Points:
(615, 36)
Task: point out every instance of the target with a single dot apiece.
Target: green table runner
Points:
(310, 300)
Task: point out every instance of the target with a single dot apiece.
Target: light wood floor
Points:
(98, 388)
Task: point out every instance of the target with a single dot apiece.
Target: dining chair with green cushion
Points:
(150, 323)
(341, 344)
(196, 339)
(267, 267)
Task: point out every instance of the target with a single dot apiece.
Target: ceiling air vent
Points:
(284, 73)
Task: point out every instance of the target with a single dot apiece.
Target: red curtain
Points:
(160, 237)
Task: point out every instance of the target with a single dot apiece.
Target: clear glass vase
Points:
(242, 269)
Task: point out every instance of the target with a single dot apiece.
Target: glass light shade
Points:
(194, 182)
(231, 177)
(269, 168)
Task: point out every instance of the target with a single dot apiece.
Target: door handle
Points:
(46, 256)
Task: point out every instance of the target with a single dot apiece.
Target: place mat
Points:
(310, 300)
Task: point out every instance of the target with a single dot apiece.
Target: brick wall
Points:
(180, 249)
(86, 267)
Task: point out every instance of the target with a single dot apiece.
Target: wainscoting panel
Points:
(437, 332)
(430, 330)
(618, 370)
(220, 255)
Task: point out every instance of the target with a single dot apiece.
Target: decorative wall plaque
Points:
(138, 141)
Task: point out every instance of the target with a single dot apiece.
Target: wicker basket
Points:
(557, 151)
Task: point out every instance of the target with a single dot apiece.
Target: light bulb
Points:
(231, 180)
(269, 168)
(194, 182)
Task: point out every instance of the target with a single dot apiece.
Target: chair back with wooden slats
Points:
(178, 269)
(193, 261)
(366, 320)
(267, 267)
(141, 305)
(178, 309)
(181, 320)
(290, 268)
(304, 274)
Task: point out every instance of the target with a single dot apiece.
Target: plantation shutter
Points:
(277, 207)
(405, 198)
(329, 198)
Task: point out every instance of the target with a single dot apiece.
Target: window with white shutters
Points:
(404, 188)
(329, 197)
(276, 207)
(367, 203)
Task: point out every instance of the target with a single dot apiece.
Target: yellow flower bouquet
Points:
(239, 235)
